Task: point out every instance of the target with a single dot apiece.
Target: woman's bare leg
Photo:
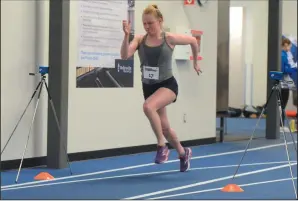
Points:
(161, 98)
(169, 133)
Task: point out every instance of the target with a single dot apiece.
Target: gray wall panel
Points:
(223, 38)
(58, 82)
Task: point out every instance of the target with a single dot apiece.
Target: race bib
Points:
(151, 73)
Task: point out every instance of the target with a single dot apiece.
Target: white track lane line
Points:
(217, 189)
(140, 174)
(143, 165)
(208, 182)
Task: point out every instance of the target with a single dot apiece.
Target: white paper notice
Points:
(100, 32)
(182, 52)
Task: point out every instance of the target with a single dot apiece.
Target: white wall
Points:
(289, 16)
(255, 44)
(236, 70)
(18, 59)
(256, 40)
(104, 118)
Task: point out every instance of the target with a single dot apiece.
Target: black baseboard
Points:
(41, 161)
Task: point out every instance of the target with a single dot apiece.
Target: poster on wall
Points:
(100, 37)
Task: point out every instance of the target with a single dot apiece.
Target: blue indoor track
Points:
(264, 174)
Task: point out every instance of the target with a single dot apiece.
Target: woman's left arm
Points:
(180, 39)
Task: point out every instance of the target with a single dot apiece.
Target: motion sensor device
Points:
(276, 75)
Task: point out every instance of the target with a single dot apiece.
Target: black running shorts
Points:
(171, 83)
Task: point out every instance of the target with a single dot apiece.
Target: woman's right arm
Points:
(128, 49)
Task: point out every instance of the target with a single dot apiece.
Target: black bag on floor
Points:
(234, 112)
(249, 111)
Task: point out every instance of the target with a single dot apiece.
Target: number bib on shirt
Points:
(151, 73)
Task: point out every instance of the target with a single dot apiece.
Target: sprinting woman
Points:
(160, 87)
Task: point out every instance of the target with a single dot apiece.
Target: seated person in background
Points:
(288, 66)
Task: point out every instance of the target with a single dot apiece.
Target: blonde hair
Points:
(153, 10)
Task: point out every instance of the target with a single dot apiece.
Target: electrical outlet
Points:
(184, 118)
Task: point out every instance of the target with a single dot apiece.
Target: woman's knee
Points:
(148, 108)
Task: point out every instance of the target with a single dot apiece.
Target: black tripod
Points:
(276, 88)
(38, 87)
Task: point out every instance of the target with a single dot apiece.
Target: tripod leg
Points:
(251, 137)
(292, 136)
(285, 140)
(32, 121)
(287, 120)
(21, 117)
(58, 125)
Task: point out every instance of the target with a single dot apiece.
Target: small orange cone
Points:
(232, 188)
(43, 176)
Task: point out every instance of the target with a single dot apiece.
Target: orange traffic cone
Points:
(232, 188)
(43, 176)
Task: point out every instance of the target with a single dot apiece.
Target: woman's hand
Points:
(197, 68)
(126, 27)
